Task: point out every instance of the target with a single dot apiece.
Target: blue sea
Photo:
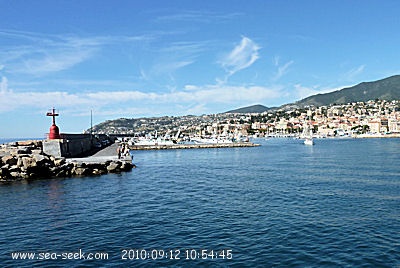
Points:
(283, 204)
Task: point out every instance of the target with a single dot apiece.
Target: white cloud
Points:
(198, 16)
(40, 54)
(39, 59)
(191, 95)
(190, 87)
(11, 100)
(3, 85)
(282, 70)
(353, 73)
(170, 67)
(241, 57)
(54, 61)
(169, 59)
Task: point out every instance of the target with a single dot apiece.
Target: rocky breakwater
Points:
(25, 160)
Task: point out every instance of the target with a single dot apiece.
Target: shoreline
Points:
(376, 136)
(193, 146)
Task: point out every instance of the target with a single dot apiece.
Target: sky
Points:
(145, 58)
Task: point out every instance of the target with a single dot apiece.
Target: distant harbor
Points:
(192, 146)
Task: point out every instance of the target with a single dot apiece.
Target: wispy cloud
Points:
(170, 58)
(198, 17)
(54, 61)
(241, 57)
(282, 69)
(353, 73)
(177, 55)
(40, 54)
(3, 85)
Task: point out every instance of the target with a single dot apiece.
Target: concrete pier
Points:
(193, 146)
(109, 153)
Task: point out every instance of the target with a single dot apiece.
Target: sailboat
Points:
(307, 132)
(309, 141)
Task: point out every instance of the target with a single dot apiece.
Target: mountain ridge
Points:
(257, 108)
(384, 89)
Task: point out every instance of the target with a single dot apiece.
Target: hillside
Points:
(384, 89)
(250, 109)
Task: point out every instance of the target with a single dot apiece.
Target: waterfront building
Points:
(393, 125)
(375, 126)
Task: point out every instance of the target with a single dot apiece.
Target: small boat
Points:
(309, 141)
(149, 140)
(211, 140)
(307, 131)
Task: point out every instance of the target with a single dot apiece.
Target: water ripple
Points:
(278, 205)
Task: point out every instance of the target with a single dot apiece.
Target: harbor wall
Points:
(70, 145)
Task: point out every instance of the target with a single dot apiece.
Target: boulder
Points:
(42, 160)
(36, 151)
(25, 143)
(12, 144)
(126, 166)
(24, 150)
(59, 161)
(15, 175)
(4, 172)
(81, 171)
(61, 171)
(96, 165)
(114, 167)
(28, 162)
(9, 159)
(99, 171)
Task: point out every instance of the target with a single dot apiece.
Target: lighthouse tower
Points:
(54, 130)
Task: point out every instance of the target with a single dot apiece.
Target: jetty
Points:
(25, 160)
(108, 153)
(103, 162)
(192, 146)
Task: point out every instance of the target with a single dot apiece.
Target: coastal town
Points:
(375, 118)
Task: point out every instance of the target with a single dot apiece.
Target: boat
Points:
(307, 131)
(149, 140)
(211, 140)
(309, 141)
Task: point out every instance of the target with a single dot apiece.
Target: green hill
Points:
(250, 109)
(384, 89)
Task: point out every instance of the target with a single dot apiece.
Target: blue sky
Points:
(152, 58)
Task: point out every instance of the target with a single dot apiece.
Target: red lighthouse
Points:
(54, 131)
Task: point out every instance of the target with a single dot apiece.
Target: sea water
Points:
(283, 204)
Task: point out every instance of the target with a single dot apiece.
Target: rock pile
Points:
(26, 160)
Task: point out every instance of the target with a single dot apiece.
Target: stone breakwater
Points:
(25, 160)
